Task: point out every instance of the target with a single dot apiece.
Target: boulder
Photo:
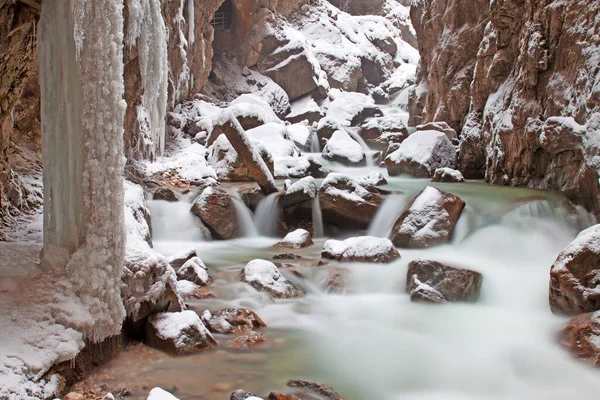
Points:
(323, 391)
(433, 282)
(439, 126)
(326, 127)
(247, 341)
(379, 132)
(299, 192)
(191, 291)
(337, 281)
(264, 276)
(178, 333)
(574, 276)
(581, 337)
(229, 165)
(232, 321)
(345, 203)
(296, 240)
(371, 180)
(194, 271)
(287, 256)
(165, 194)
(421, 154)
(178, 259)
(305, 109)
(241, 395)
(343, 149)
(429, 219)
(447, 175)
(160, 394)
(361, 249)
(216, 210)
(295, 75)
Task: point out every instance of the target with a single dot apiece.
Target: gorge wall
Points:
(520, 81)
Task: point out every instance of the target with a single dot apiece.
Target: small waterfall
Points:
(267, 215)
(386, 216)
(363, 144)
(538, 209)
(245, 221)
(317, 218)
(315, 146)
(174, 222)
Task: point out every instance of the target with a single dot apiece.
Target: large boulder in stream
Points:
(263, 275)
(178, 333)
(429, 219)
(447, 175)
(421, 154)
(195, 271)
(581, 337)
(361, 249)
(345, 203)
(296, 240)
(343, 149)
(575, 275)
(299, 192)
(216, 210)
(433, 282)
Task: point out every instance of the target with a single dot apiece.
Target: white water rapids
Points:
(374, 343)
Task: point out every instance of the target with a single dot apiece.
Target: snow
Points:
(302, 106)
(160, 394)
(275, 138)
(430, 149)
(442, 173)
(342, 147)
(588, 240)
(353, 190)
(306, 185)
(187, 288)
(373, 178)
(347, 105)
(194, 269)
(266, 275)
(296, 239)
(171, 326)
(300, 134)
(362, 247)
(252, 106)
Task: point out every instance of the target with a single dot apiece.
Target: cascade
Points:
(245, 221)
(387, 214)
(267, 215)
(317, 218)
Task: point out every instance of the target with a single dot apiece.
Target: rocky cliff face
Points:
(521, 80)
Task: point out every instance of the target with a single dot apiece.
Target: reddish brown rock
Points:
(250, 340)
(337, 281)
(361, 249)
(574, 276)
(282, 396)
(581, 337)
(232, 321)
(429, 219)
(326, 392)
(178, 333)
(433, 282)
(165, 194)
(216, 210)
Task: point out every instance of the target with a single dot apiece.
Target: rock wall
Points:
(521, 80)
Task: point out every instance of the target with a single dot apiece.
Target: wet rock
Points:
(178, 333)
(345, 203)
(165, 194)
(177, 260)
(194, 271)
(337, 281)
(575, 275)
(371, 180)
(263, 275)
(447, 175)
(232, 321)
(250, 340)
(287, 256)
(361, 249)
(282, 396)
(160, 394)
(429, 220)
(241, 395)
(439, 126)
(296, 240)
(343, 149)
(299, 192)
(192, 291)
(252, 198)
(582, 337)
(433, 282)
(216, 210)
(421, 154)
(324, 391)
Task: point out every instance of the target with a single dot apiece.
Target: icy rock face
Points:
(264, 275)
(81, 49)
(429, 219)
(361, 249)
(573, 283)
(526, 100)
(433, 282)
(421, 154)
(178, 333)
(581, 337)
(232, 321)
(295, 240)
(346, 203)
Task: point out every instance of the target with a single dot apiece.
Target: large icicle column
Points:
(81, 77)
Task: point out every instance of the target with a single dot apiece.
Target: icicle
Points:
(191, 22)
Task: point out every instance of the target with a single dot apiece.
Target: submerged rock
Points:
(575, 275)
(324, 391)
(296, 240)
(216, 210)
(263, 275)
(337, 281)
(433, 282)
(165, 194)
(582, 337)
(361, 249)
(194, 271)
(232, 320)
(447, 175)
(421, 154)
(252, 339)
(178, 333)
(429, 219)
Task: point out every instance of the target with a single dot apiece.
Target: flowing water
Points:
(373, 342)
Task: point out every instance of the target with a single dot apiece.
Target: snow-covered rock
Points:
(345, 203)
(343, 149)
(227, 163)
(216, 210)
(573, 283)
(439, 126)
(178, 259)
(447, 175)
(264, 275)
(194, 271)
(371, 180)
(191, 291)
(433, 282)
(421, 154)
(232, 321)
(242, 395)
(160, 394)
(295, 240)
(178, 333)
(429, 219)
(299, 192)
(381, 131)
(361, 249)
(305, 109)
(301, 135)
